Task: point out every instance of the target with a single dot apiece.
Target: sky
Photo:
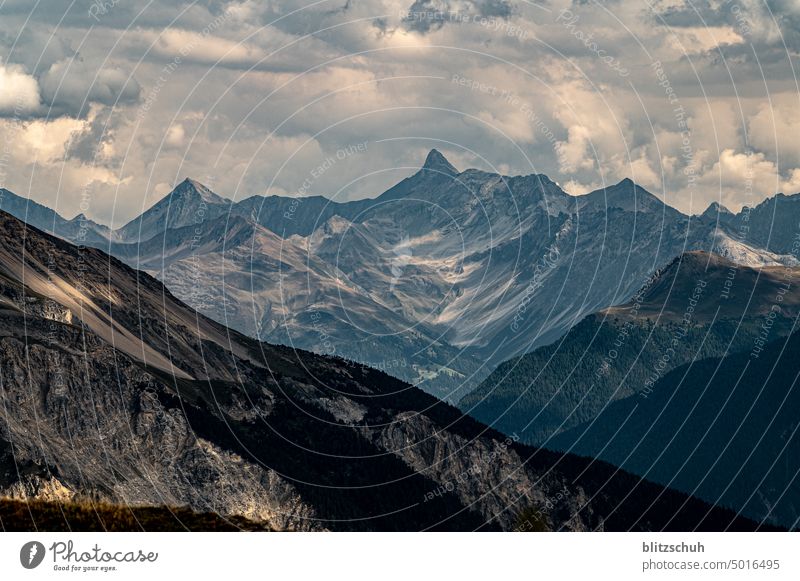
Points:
(106, 105)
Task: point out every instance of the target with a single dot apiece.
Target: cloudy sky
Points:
(105, 105)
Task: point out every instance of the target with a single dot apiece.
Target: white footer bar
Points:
(402, 556)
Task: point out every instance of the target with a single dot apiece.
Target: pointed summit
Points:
(193, 189)
(716, 209)
(435, 171)
(190, 203)
(436, 162)
(626, 195)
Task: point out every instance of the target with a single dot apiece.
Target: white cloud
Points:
(19, 92)
(574, 151)
(175, 135)
(776, 127)
(642, 173)
(700, 39)
(745, 179)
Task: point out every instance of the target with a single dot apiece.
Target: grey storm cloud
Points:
(761, 22)
(66, 82)
(86, 145)
(71, 87)
(68, 88)
(787, 15)
(427, 15)
(770, 33)
(116, 14)
(37, 49)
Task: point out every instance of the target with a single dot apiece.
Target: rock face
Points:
(141, 400)
(13, 296)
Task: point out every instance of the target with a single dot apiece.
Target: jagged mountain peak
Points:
(190, 202)
(192, 188)
(626, 195)
(716, 209)
(437, 162)
(435, 170)
(189, 192)
(83, 223)
(627, 187)
(83, 218)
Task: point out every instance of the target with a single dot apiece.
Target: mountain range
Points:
(436, 281)
(115, 392)
(570, 324)
(700, 305)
